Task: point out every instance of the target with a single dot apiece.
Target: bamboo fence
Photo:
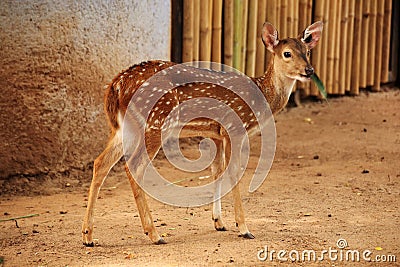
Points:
(353, 53)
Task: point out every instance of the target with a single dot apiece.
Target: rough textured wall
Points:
(55, 58)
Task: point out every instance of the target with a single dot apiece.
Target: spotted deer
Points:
(289, 62)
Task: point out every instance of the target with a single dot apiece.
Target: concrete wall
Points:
(55, 58)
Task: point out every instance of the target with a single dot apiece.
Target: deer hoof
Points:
(247, 235)
(91, 244)
(160, 242)
(222, 229)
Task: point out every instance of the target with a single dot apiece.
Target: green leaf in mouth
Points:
(320, 86)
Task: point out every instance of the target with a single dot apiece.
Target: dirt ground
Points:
(336, 175)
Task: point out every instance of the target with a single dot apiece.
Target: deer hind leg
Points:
(234, 160)
(102, 165)
(217, 168)
(137, 164)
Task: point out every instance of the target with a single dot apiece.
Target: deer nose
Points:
(309, 71)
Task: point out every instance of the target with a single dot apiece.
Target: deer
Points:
(290, 62)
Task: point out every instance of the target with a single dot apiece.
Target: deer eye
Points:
(287, 54)
(308, 53)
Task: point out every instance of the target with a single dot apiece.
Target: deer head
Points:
(291, 56)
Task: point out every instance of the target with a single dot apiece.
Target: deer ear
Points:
(312, 34)
(269, 36)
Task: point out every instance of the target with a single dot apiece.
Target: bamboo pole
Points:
(278, 4)
(331, 47)
(216, 31)
(271, 14)
(210, 23)
(303, 15)
(338, 37)
(205, 31)
(283, 21)
(187, 45)
(372, 43)
(293, 32)
(325, 43)
(277, 24)
(295, 29)
(291, 10)
(243, 42)
(177, 30)
(355, 73)
(364, 42)
(316, 56)
(228, 32)
(349, 50)
(343, 68)
(289, 18)
(394, 74)
(386, 41)
(260, 49)
(379, 46)
(251, 38)
(210, 15)
(196, 30)
(237, 34)
(272, 17)
(309, 11)
(308, 21)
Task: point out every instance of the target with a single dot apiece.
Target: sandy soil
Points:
(335, 176)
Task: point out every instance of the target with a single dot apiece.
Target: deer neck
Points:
(275, 86)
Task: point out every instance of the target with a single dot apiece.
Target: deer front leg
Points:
(101, 167)
(234, 165)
